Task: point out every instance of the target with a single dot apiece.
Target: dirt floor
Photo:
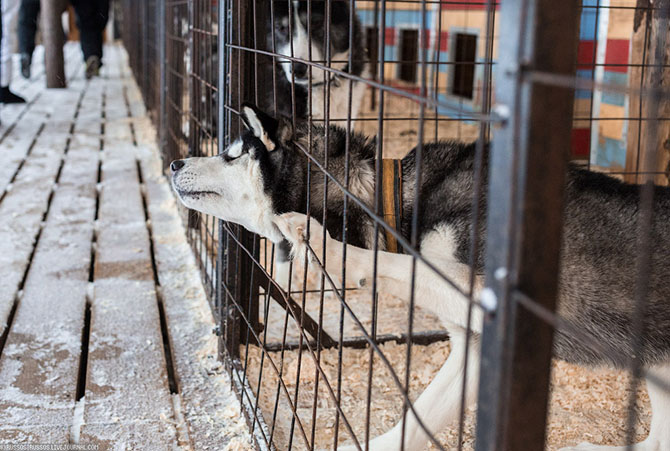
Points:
(586, 404)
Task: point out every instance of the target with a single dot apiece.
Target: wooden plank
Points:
(40, 364)
(127, 396)
(34, 434)
(639, 129)
(17, 143)
(22, 209)
(12, 114)
(209, 406)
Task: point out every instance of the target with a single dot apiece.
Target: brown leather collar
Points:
(392, 199)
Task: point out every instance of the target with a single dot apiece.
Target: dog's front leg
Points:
(394, 272)
(439, 405)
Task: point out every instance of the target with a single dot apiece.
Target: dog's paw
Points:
(293, 227)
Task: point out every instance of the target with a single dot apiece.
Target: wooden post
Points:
(652, 30)
(52, 32)
(524, 216)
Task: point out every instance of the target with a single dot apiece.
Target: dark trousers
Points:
(27, 26)
(92, 18)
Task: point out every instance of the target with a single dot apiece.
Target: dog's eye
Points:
(227, 158)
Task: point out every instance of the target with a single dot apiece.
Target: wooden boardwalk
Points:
(105, 331)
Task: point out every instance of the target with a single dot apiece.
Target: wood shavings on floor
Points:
(586, 404)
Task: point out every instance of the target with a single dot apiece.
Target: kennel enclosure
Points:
(543, 82)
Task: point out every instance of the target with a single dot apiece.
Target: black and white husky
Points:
(306, 36)
(259, 182)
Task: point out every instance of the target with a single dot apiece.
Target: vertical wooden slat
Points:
(127, 395)
(39, 366)
(526, 184)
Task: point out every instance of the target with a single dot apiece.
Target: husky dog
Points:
(295, 37)
(260, 180)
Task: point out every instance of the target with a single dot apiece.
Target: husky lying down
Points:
(259, 182)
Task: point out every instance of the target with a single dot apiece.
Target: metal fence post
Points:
(143, 33)
(528, 164)
(222, 115)
(162, 93)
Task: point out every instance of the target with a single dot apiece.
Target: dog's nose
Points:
(177, 165)
(300, 70)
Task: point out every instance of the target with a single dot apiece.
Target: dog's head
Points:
(234, 185)
(295, 21)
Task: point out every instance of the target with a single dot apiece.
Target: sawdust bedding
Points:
(586, 404)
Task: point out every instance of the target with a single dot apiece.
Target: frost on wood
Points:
(210, 408)
(127, 402)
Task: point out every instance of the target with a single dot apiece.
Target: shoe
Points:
(7, 96)
(93, 66)
(25, 65)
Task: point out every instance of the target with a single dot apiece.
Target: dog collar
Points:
(334, 79)
(392, 199)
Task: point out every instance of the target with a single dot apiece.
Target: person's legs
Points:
(91, 19)
(10, 10)
(28, 16)
(28, 13)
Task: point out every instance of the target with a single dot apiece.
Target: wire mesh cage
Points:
(433, 140)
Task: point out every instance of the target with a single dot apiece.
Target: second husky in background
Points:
(311, 38)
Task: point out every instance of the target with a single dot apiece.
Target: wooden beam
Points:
(649, 53)
(52, 32)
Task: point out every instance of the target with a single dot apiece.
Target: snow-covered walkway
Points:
(105, 331)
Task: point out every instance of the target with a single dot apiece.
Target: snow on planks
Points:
(127, 402)
(22, 208)
(40, 364)
(209, 406)
(127, 397)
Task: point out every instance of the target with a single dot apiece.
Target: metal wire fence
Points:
(474, 109)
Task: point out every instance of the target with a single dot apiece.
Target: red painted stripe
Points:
(389, 36)
(617, 53)
(581, 142)
(411, 89)
(467, 5)
(585, 55)
(444, 39)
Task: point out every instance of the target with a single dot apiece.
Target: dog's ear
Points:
(263, 126)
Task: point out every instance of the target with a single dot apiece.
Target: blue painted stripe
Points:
(617, 78)
(389, 52)
(611, 153)
(584, 93)
(366, 16)
(615, 98)
(453, 104)
(396, 17)
(588, 26)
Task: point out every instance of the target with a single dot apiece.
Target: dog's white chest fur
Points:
(339, 102)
